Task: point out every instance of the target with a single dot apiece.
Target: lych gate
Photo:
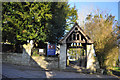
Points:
(74, 39)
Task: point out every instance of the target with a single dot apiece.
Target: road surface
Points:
(15, 71)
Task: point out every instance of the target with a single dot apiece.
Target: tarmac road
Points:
(17, 72)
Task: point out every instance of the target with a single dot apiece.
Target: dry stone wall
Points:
(36, 61)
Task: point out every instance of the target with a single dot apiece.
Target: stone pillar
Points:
(26, 53)
(62, 58)
(90, 58)
(118, 42)
(119, 56)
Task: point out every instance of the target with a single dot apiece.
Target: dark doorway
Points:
(76, 55)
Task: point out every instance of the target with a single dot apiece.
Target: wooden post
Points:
(80, 37)
(71, 37)
(75, 36)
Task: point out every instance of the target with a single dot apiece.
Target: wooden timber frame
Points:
(76, 36)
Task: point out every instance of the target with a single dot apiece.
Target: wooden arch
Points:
(76, 35)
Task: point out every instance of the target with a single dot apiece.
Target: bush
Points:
(35, 52)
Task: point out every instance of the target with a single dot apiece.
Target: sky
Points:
(85, 8)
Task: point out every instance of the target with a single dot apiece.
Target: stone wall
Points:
(46, 62)
(13, 58)
(36, 61)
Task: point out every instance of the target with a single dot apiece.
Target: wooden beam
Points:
(80, 37)
(76, 41)
(75, 36)
(75, 47)
(71, 37)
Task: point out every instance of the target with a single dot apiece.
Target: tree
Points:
(25, 20)
(61, 14)
(39, 21)
(101, 28)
